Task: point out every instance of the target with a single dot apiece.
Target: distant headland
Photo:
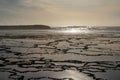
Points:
(41, 27)
(22, 27)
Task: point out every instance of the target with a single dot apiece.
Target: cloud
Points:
(25, 12)
(58, 12)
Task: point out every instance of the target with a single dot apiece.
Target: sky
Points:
(60, 12)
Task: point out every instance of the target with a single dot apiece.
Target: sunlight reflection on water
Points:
(73, 31)
(77, 76)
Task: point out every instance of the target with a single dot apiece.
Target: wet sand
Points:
(58, 56)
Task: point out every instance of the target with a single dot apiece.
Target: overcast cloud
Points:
(60, 12)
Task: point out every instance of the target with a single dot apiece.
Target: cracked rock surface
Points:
(55, 56)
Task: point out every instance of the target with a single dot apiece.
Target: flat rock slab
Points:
(57, 56)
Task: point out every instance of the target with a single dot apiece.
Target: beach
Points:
(59, 55)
